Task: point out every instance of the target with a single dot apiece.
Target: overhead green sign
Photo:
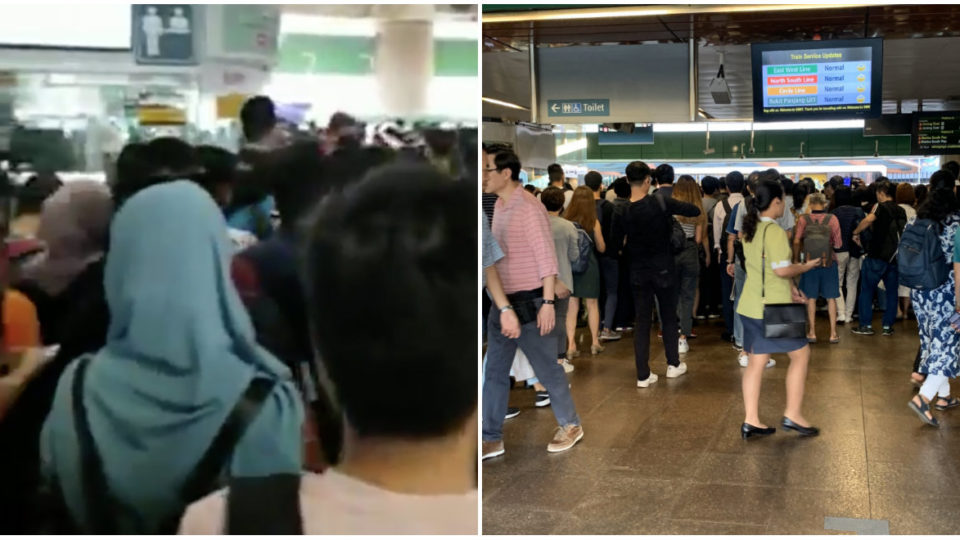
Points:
(353, 55)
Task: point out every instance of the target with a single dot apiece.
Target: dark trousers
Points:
(710, 288)
(872, 272)
(645, 287)
(624, 316)
(610, 282)
(726, 287)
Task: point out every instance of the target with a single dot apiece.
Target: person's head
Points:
(817, 201)
(131, 165)
(582, 208)
(886, 190)
(834, 183)
(621, 188)
(942, 179)
(219, 167)
(767, 201)
(953, 167)
(787, 184)
(734, 182)
(35, 191)
(843, 196)
(343, 131)
(552, 199)
(905, 194)
(74, 227)
(800, 193)
(940, 203)
(664, 174)
(921, 194)
(639, 176)
(258, 116)
(555, 174)
(594, 181)
(164, 159)
(500, 170)
(531, 189)
(710, 185)
(402, 241)
(688, 191)
(567, 186)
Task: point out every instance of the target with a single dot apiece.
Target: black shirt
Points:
(884, 240)
(648, 233)
(605, 215)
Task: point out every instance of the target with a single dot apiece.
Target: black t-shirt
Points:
(648, 233)
(884, 237)
(605, 211)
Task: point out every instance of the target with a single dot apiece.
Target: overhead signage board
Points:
(641, 134)
(578, 107)
(164, 34)
(936, 133)
(613, 83)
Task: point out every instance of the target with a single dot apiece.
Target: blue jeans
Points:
(611, 281)
(873, 271)
(541, 351)
(739, 278)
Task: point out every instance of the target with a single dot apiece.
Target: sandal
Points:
(811, 340)
(922, 410)
(951, 403)
(835, 340)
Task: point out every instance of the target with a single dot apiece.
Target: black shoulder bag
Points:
(678, 238)
(101, 506)
(780, 321)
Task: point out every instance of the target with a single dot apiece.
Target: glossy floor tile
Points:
(669, 459)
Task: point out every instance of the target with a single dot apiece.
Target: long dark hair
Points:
(939, 204)
(764, 194)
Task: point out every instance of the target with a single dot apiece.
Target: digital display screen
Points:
(642, 134)
(936, 133)
(819, 79)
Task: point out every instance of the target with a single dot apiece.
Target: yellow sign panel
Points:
(160, 115)
(228, 106)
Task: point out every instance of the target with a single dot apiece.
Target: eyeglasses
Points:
(491, 169)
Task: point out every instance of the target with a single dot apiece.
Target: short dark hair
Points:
(552, 198)
(734, 182)
(843, 196)
(710, 185)
(637, 172)
(37, 189)
(402, 241)
(219, 166)
(161, 160)
(953, 167)
(593, 180)
(506, 159)
(942, 179)
(886, 187)
(555, 172)
(664, 174)
(530, 188)
(621, 187)
(258, 116)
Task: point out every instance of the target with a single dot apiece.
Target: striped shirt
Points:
(521, 227)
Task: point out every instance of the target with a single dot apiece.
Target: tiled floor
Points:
(669, 459)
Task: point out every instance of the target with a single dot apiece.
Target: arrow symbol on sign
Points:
(553, 107)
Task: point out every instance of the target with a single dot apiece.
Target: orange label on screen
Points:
(792, 91)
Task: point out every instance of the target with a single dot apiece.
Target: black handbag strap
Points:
(248, 515)
(201, 480)
(763, 263)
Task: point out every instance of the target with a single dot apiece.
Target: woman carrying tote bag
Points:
(772, 310)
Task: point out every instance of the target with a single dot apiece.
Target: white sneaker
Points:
(683, 347)
(567, 366)
(674, 372)
(745, 360)
(650, 380)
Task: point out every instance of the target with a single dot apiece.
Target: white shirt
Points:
(334, 503)
(719, 213)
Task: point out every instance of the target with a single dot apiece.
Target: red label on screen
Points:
(796, 79)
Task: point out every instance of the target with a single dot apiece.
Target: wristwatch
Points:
(550, 302)
(506, 308)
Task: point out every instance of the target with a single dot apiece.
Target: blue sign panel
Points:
(578, 107)
(164, 34)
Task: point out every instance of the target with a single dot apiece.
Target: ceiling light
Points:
(504, 103)
(641, 11)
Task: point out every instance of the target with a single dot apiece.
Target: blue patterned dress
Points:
(939, 342)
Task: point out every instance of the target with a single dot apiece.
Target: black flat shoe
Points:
(803, 431)
(747, 431)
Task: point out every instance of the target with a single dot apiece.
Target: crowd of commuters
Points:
(193, 339)
(684, 252)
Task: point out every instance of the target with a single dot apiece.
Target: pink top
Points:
(334, 503)
(522, 229)
(835, 237)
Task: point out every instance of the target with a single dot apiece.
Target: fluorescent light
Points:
(696, 127)
(825, 124)
(504, 104)
(323, 25)
(571, 147)
(639, 11)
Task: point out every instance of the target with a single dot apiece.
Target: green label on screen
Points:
(785, 70)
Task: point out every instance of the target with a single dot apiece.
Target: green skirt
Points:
(587, 284)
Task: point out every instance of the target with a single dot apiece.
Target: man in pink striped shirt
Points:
(528, 272)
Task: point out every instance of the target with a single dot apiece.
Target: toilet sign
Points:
(578, 107)
(163, 34)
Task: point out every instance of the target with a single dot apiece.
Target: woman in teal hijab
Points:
(180, 352)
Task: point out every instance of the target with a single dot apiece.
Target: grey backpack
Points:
(817, 239)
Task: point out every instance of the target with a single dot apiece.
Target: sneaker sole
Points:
(565, 448)
(514, 415)
(678, 375)
(494, 454)
(542, 403)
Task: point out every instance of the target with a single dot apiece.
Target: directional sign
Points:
(578, 107)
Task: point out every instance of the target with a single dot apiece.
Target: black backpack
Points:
(678, 238)
(100, 503)
(891, 241)
(724, 235)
